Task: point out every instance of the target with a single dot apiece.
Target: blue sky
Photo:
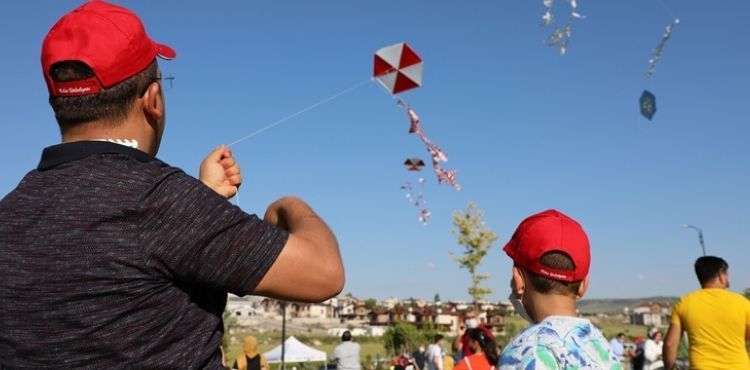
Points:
(527, 129)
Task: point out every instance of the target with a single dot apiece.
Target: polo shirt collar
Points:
(68, 152)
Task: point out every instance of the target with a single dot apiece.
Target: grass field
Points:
(371, 350)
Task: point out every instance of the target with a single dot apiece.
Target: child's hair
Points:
(560, 261)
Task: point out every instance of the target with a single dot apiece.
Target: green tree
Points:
(370, 303)
(428, 332)
(437, 298)
(401, 337)
(476, 238)
(746, 292)
(229, 322)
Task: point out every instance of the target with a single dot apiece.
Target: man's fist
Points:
(220, 172)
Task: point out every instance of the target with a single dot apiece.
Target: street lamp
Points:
(700, 236)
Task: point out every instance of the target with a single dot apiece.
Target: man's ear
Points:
(724, 278)
(517, 283)
(153, 103)
(583, 288)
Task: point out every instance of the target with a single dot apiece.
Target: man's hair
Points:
(438, 337)
(347, 336)
(620, 335)
(111, 105)
(708, 268)
(559, 261)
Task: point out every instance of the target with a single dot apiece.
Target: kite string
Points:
(287, 118)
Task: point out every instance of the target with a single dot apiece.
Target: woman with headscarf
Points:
(250, 358)
(483, 351)
(652, 351)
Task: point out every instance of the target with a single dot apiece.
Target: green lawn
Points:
(371, 350)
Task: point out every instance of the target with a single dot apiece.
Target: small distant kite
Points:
(414, 164)
(398, 68)
(648, 104)
(417, 200)
(561, 36)
(656, 54)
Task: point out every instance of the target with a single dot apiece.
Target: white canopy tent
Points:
(295, 351)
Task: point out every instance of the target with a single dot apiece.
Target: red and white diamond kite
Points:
(398, 68)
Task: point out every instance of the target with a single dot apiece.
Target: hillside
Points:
(616, 305)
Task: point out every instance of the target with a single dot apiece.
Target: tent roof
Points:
(295, 351)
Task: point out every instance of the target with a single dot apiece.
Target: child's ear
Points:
(517, 283)
(582, 289)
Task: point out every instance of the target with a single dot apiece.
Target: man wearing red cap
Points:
(112, 259)
(551, 258)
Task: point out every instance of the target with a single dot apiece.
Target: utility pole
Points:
(700, 236)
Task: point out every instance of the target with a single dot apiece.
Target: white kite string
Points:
(326, 100)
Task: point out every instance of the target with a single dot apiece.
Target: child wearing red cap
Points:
(551, 258)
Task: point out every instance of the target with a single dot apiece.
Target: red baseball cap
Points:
(108, 38)
(550, 231)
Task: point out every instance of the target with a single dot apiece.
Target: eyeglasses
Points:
(167, 78)
(160, 79)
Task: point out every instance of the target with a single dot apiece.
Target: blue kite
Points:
(648, 104)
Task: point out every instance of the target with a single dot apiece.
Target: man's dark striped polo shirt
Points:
(112, 259)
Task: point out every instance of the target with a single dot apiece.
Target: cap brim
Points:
(165, 52)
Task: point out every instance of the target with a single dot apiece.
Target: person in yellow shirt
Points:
(448, 362)
(716, 320)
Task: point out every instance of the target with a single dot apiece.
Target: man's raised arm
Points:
(309, 268)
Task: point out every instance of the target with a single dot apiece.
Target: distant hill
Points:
(615, 306)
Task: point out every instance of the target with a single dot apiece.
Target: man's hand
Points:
(220, 172)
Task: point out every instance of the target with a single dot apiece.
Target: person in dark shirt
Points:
(113, 259)
(418, 356)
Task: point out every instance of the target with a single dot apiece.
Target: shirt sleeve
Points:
(192, 234)
(676, 311)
